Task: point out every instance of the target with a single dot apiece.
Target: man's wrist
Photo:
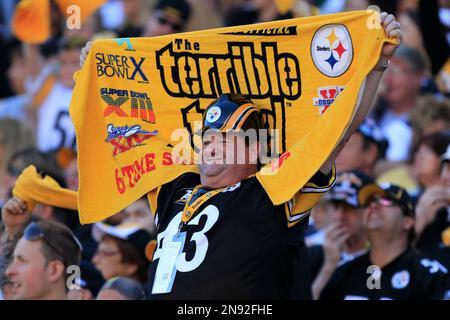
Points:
(382, 64)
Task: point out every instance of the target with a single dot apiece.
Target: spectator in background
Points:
(391, 269)
(432, 211)
(54, 128)
(402, 83)
(122, 251)
(136, 13)
(89, 284)
(14, 136)
(345, 238)
(41, 259)
(167, 17)
(427, 161)
(15, 106)
(139, 213)
(365, 147)
(430, 115)
(45, 164)
(255, 11)
(121, 288)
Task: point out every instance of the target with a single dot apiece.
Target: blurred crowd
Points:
(405, 142)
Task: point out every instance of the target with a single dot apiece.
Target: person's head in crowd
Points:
(355, 5)
(139, 212)
(346, 209)
(402, 80)
(71, 174)
(89, 27)
(256, 11)
(427, 161)
(46, 164)
(121, 288)
(17, 71)
(389, 216)
(14, 135)
(412, 34)
(41, 260)
(122, 251)
(67, 161)
(167, 17)
(69, 59)
(364, 148)
(7, 290)
(445, 167)
(88, 285)
(430, 115)
(136, 14)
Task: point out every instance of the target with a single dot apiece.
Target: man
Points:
(54, 128)
(402, 86)
(365, 147)
(391, 269)
(219, 235)
(345, 238)
(39, 270)
(433, 208)
(168, 16)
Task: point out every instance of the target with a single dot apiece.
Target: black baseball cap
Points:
(372, 132)
(347, 187)
(396, 193)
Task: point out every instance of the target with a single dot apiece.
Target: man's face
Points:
(348, 216)
(222, 154)
(162, 23)
(401, 83)
(384, 218)
(29, 272)
(69, 61)
(445, 174)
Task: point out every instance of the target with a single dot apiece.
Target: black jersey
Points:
(238, 244)
(408, 277)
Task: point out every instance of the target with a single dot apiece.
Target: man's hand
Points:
(15, 216)
(392, 30)
(433, 199)
(335, 237)
(85, 52)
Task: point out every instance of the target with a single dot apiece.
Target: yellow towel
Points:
(131, 94)
(33, 189)
(31, 20)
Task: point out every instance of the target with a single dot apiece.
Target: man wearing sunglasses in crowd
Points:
(168, 16)
(39, 270)
(391, 270)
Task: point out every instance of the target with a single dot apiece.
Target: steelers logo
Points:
(332, 50)
(213, 114)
